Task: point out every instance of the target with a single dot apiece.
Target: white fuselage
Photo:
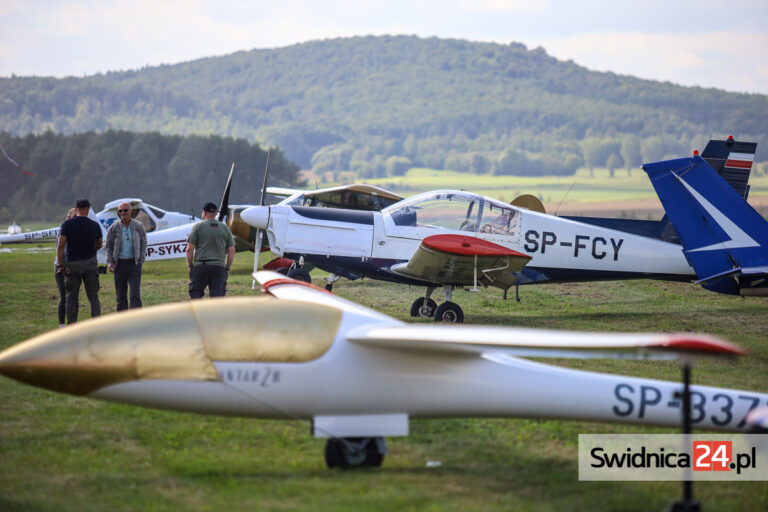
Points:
(560, 249)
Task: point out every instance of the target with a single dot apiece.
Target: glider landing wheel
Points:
(449, 312)
(354, 452)
(423, 308)
(300, 275)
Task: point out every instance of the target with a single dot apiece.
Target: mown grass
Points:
(63, 453)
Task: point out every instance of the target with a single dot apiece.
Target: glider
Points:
(358, 375)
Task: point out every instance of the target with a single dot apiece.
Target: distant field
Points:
(62, 453)
(623, 195)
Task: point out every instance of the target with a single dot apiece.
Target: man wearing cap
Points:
(210, 253)
(126, 247)
(80, 237)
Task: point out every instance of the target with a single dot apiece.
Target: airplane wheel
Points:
(353, 452)
(449, 312)
(423, 308)
(329, 287)
(283, 270)
(300, 275)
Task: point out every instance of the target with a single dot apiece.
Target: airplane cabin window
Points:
(498, 219)
(159, 214)
(144, 218)
(447, 211)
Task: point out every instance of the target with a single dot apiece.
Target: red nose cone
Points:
(695, 152)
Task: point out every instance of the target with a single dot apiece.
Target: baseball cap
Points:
(82, 203)
(210, 208)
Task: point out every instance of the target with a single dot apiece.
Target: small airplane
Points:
(172, 243)
(450, 238)
(724, 239)
(14, 229)
(152, 217)
(359, 375)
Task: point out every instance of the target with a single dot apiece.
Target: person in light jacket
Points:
(126, 248)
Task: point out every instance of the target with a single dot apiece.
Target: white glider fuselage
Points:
(356, 372)
(371, 243)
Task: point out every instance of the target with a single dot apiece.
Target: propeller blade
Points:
(258, 234)
(224, 208)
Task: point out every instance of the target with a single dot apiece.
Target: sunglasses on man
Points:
(123, 210)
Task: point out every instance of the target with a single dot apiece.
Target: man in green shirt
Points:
(210, 253)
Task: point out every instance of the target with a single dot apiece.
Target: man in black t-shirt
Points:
(80, 237)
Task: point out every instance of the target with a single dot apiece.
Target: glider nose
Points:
(171, 342)
(87, 356)
(256, 216)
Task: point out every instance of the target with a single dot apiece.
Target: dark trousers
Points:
(127, 273)
(62, 310)
(87, 273)
(212, 276)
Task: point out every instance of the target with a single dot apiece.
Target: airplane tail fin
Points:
(723, 237)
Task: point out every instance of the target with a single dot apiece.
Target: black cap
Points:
(210, 208)
(82, 203)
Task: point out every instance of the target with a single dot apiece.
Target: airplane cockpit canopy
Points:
(351, 197)
(455, 210)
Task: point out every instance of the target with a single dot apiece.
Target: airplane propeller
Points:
(259, 232)
(224, 207)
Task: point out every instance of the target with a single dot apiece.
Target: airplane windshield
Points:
(457, 211)
(448, 210)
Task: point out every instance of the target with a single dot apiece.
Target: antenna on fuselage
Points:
(566, 195)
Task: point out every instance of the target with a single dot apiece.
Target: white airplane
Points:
(172, 243)
(153, 218)
(359, 375)
(451, 238)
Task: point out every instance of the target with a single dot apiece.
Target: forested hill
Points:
(379, 104)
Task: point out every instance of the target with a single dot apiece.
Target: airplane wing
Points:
(485, 341)
(283, 287)
(463, 260)
(540, 342)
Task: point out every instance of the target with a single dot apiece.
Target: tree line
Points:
(376, 105)
(169, 171)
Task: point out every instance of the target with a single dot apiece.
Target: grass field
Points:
(62, 453)
(569, 194)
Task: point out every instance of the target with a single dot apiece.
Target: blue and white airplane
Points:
(724, 239)
(450, 238)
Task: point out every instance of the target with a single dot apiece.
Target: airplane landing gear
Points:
(423, 308)
(300, 275)
(332, 278)
(353, 452)
(449, 312)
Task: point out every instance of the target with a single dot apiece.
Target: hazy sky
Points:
(711, 43)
